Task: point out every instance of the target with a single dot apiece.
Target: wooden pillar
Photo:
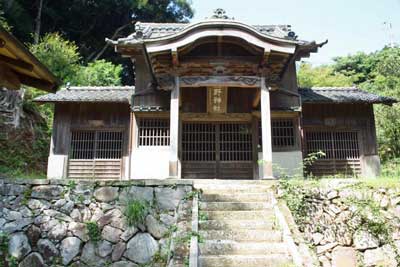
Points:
(174, 131)
(266, 131)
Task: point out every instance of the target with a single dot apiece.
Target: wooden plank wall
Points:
(70, 116)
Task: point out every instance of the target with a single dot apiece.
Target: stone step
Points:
(205, 182)
(236, 224)
(267, 214)
(228, 247)
(234, 206)
(272, 260)
(227, 189)
(242, 235)
(244, 197)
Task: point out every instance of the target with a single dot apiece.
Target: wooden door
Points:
(217, 150)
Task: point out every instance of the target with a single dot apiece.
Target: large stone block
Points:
(47, 192)
(169, 198)
(106, 194)
(140, 193)
(344, 257)
(32, 260)
(364, 240)
(70, 248)
(18, 246)
(141, 248)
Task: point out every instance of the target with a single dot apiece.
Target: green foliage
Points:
(370, 218)
(98, 73)
(87, 23)
(359, 66)
(309, 76)
(297, 201)
(62, 57)
(5, 259)
(135, 212)
(26, 150)
(59, 55)
(377, 72)
(3, 21)
(93, 231)
(391, 169)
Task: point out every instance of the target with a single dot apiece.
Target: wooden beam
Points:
(175, 57)
(228, 81)
(8, 78)
(41, 84)
(231, 117)
(257, 98)
(16, 62)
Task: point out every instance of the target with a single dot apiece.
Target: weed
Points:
(203, 216)
(26, 196)
(93, 231)
(135, 212)
(71, 185)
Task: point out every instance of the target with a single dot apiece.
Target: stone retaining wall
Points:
(348, 224)
(45, 223)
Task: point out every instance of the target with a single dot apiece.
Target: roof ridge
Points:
(331, 88)
(119, 87)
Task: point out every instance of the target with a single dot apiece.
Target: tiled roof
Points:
(156, 30)
(341, 95)
(90, 94)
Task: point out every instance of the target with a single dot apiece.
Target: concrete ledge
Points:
(102, 182)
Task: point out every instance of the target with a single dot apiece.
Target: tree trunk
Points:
(38, 22)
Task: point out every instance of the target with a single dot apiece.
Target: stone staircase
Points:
(237, 225)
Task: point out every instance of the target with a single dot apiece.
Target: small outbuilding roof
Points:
(90, 94)
(123, 94)
(341, 95)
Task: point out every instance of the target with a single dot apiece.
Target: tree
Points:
(309, 76)
(59, 55)
(100, 72)
(3, 21)
(379, 73)
(359, 66)
(63, 59)
(88, 23)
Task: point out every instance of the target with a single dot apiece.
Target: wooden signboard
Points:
(217, 99)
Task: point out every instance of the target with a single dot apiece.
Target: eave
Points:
(19, 66)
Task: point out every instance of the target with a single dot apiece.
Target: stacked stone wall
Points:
(347, 223)
(84, 223)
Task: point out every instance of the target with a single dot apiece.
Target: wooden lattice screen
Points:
(153, 132)
(341, 148)
(235, 142)
(95, 154)
(198, 142)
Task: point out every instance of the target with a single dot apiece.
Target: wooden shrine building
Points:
(213, 99)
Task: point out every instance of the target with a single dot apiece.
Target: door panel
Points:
(217, 150)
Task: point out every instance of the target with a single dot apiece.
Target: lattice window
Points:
(153, 132)
(341, 148)
(96, 145)
(283, 134)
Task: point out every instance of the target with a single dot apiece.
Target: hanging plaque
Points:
(217, 98)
